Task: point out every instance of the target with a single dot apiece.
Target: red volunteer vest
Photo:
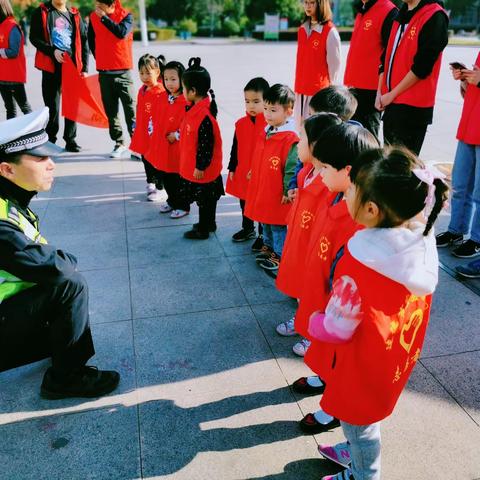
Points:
(247, 134)
(12, 69)
(167, 118)
(111, 52)
(326, 239)
(369, 372)
(310, 203)
(469, 126)
(146, 100)
(311, 74)
(366, 47)
(45, 62)
(189, 143)
(265, 191)
(422, 94)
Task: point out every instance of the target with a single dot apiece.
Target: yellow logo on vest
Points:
(323, 247)
(367, 25)
(412, 32)
(274, 163)
(316, 44)
(306, 219)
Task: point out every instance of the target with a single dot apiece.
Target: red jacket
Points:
(311, 74)
(111, 52)
(189, 143)
(310, 205)
(366, 47)
(45, 62)
(265, 191)
(327, 238)
(144, 126)
(368, 373)
(422, 94)
(469, 126)
(167, 118)
(247, 133)
(12, 69)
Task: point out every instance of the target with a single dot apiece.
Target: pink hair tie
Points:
(428, 175)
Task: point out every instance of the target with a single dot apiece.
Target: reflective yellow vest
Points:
(9, 284)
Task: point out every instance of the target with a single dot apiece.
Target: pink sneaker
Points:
(339, 453)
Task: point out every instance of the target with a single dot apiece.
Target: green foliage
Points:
(458, 7)
(231, 27)
(188, 25)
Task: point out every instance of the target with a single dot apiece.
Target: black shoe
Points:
(302, 386)
(86, 382)
(272, 263)
(468, 249)
(195, 234)
(448, 239)
(213, 228)
(73, 147)
(258, 244)
(308, 424)
(265, 254)
(243, 235)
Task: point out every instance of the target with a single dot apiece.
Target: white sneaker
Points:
(151, 188)
(165, 208)
(118, 151)
(178, 213)
(301, 347)
(153, 195)
(287, 329)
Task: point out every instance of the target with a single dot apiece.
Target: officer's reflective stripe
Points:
(11, 285)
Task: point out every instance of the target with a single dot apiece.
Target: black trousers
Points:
(14, 94)
(172, 183)
(47, 321)
(369, 117)
(396, 132)
(207, 211)
(247, 223)
(51, 91)
(153, 175)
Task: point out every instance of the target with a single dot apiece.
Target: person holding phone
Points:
(465, 200)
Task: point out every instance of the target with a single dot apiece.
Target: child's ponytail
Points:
(213, 104)
(161, 62)
(441, 195)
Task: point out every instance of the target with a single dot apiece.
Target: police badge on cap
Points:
(27, 135)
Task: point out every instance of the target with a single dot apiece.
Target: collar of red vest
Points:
(48, 7)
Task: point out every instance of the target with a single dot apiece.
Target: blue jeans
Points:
(274, 237)
(365, 443)
(466, 192)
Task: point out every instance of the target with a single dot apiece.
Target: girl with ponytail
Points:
(374, 325)
(201, 149)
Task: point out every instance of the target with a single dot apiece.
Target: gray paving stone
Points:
(191, 286)
(158, 245)
(109, 295)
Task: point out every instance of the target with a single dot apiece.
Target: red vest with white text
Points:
(12, 69)
(366, 48)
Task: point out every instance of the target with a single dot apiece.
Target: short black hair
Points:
(318, 123)
(14, 158)
(257, 84)
(335, 99)
(281, 94)
(109, 3)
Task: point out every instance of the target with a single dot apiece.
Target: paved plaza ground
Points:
(205, 390)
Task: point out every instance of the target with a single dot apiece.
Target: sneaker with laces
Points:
(448, 239)
(468, 249)
(287, 329)
(118, 151)
(165, 208)
(339, 453)
(257, 244)
(265, 252)
(178, 213)
(272, 263)
(471, 270)
(85, 382)
(243, 235)
(345, 475)
(153, 195)
(301, 347)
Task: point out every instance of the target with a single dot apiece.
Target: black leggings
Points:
(11, 93)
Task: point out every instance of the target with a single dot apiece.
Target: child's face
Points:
(276, 115)
(367, 215)
(310, 7)
(106, 8)
(190, 95)
(149, 76)
(253, 102)
(171, 81)
(303, 148)
(336, 180)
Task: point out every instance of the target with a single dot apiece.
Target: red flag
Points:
(81, 98)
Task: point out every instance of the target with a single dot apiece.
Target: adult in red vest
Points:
(466, 176)
(55, 31)
(13, 72)
(110, 38)
(373, 23)
(318, 55)
(410, 70)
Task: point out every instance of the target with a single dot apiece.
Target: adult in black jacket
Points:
(43, 298)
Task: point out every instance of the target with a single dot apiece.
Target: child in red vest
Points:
(272, 168)
(201, 149)
(318, 55)
(149, 71)
(164, 153)
(374, 325)
(247, 130)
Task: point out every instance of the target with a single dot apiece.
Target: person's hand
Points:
(285, 200)
(386, 99)
(472, 76)
(249, 175)
(230, 175)
(292, 194)
(171, 137)
(378, 102)
(58, 56)
(99, 11)
(457, 73)
(198, 174)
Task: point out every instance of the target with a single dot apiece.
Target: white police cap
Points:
(26, 134)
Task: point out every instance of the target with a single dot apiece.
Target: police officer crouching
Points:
(43, 298)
